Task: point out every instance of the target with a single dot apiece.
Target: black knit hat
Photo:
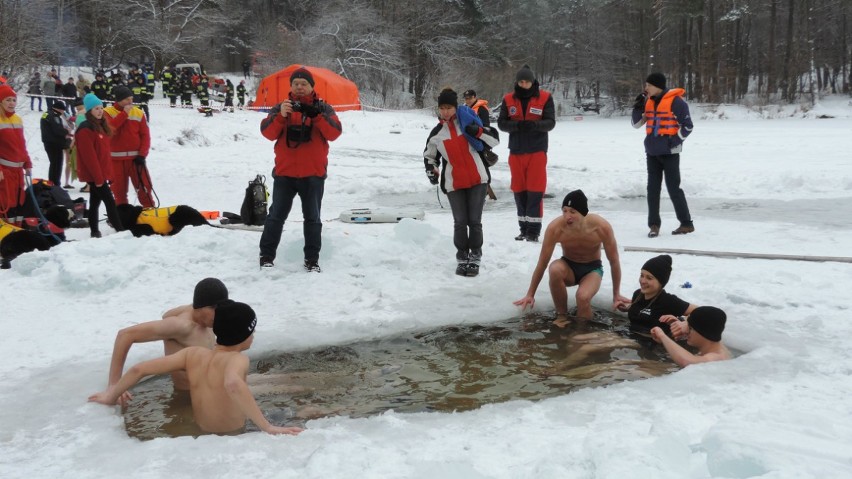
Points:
(59, 105)
(208, 292)
(657, 79)
(121, 92)
(525, 73)
(708, 321)
(302, 73)
(448, 97)
(660, 267)
(233, 323)
(469, 93)
(577, 200)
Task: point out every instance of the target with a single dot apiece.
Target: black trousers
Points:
(98, 195)
(55, 155)
(668, 166)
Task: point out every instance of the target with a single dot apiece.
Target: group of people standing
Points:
(110, 145)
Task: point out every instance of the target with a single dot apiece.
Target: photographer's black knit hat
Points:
(708, 321)
(660, 267)
(234, 322)
(657, 79)
(302, 73)
(208, 292)
(577, 200)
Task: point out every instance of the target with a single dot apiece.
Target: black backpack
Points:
(253, 211)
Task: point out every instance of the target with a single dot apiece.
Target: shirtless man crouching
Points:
(581, 236)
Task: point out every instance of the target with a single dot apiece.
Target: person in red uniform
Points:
(301, 127)
(528, 114)
(131, 141)
(94, 164)
(14, 160)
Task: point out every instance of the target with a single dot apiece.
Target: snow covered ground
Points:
(781, 410)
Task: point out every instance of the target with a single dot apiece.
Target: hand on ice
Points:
(527, 300)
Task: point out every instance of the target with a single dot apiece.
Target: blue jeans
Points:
(284, 189)
(668, 165)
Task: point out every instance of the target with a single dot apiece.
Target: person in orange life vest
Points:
(454, 146)
(94, 163)
(14, 160)
(527, 114)
(301, 127)
(478, 105)
(131, 141)
(665, 115)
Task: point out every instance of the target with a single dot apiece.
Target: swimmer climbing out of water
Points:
(180, 327)
(705, 326)
(581, 236)
(221, 399)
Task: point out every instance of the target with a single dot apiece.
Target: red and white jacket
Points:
(461, 165)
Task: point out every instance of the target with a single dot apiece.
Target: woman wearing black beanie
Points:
(652, 306)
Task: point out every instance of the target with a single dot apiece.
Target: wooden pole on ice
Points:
(729, 254)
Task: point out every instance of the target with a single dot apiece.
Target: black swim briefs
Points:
(582, 269)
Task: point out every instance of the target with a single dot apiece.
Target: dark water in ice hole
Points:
(453, 368)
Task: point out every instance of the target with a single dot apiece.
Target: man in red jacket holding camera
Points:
(301, 127)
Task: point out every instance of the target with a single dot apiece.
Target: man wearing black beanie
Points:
(180, 327)
(665, 115)
(706, 324)
(129, 144)
(221, 399)
(527, 114)
(581, 236)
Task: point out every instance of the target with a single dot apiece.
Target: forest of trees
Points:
(401, 53)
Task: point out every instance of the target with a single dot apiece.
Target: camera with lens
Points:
(297, 106)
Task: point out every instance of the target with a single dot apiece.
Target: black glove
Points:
(139, 160)
(640, 102)
(472, 129)
(526, 125)
(433, 176)
(312, 110)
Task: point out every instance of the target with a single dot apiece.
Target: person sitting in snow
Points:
(705, 326)
(221, 399)
(180, 327)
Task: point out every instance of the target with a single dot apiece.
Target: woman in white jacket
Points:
(453, 157)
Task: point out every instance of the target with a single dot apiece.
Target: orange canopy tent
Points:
(335, 90)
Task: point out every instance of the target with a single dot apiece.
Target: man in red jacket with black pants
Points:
(527, 114)
(131, 141)
(301, 127)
